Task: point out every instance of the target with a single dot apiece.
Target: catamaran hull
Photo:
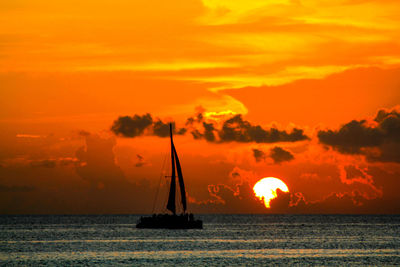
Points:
(198, 225)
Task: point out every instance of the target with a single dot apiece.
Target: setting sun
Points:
(266, 189)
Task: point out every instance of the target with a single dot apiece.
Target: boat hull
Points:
(167, 221)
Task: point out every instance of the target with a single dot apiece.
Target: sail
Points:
(180, 178)
(171, 198)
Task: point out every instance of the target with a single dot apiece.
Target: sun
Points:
(266, 188)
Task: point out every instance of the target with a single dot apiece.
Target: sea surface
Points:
(226, 240)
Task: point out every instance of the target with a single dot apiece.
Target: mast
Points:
(171, 198)
(175, 164)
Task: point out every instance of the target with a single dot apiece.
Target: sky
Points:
(303, 90)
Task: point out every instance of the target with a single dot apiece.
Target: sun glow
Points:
(266, 189)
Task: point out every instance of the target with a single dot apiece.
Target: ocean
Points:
(226, 240)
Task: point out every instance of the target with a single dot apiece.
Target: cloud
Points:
(241, 199)
(209, 132)
(131, 126)
(196, 134)
(91, 182)
(235, 195)
(137, 125)
(140, 161)
(99, 169)
(161, 129)
(109, 188)
(258, 154)
(99, 183)
(68, 161)
(197, 118)
(279, 155)
(281, 203)
(28, 136)
(226, 199)
(352, 137)
(83, 133)
(16, 188)
(234, 129)
(349, 198)
(335, 203)
(239, 130)
(47, 163)
(52, 163)
(378, 141)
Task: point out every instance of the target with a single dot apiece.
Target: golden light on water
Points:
(266, 189)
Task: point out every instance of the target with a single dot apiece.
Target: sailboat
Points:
(173, 220)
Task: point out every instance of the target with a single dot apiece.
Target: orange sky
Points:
(70, 69)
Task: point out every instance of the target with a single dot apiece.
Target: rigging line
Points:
(159, 183)
(166, 193)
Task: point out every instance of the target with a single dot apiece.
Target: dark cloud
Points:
(258, 154)
(380, 142)
(52, 163)
(137, 125)
(181, 131)
(189, 121)
(239, 130)
(281, 203)
(209, 132)
(387, 152)
(47, 163)
(234, 129)
(196, 134)
(161, 129)
(83, 133)
(140, 161)
(279, 155)
(198, 118)
(131, 126)
(16, 188)
(352, 137)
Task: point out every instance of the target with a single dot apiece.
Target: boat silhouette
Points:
(173, 220)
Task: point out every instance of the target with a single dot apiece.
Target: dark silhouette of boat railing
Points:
(173, 221)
